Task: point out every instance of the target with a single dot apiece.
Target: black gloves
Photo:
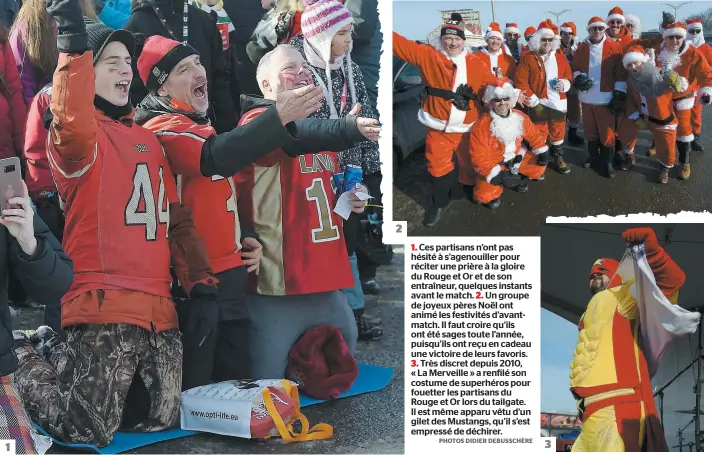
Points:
(583, 83)
(204, 313)
(506, 179)
(543, 159)
(466, 94)
(617, 104)
(668, 19)
(71, 30)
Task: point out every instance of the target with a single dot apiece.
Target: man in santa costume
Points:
(496, 147)
(610, 378)
(674, 53)
(600, 78)
(544, 77)
(494, 55)
(634, 25)
(649, 106)
(573, 107)
(696, 37)
(528, 33)
(512, 35)
(452, 77)
(617, 30)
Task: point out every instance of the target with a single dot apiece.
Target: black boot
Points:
(441, 198)
(684, 148)
(696, 146)
(593, 154)
(607, 158)
(574, 138)
(558, 162)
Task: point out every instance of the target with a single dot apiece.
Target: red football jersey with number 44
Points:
(116, 201)
(289, 202)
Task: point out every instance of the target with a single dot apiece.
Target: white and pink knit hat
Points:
(321, 21)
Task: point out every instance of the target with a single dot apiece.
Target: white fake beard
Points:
(507, 129)
(672, 58)
(697, 40)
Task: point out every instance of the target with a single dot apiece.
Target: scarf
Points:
(316, 61)
(111, 110)
(154, 105)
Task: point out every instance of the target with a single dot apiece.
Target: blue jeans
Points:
(354, 294)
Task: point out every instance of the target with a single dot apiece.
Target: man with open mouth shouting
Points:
(176, 111)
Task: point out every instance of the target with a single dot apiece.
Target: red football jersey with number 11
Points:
(289, 202)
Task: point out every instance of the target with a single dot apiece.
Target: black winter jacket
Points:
(245, 14)
(204, 36)
(46, 276)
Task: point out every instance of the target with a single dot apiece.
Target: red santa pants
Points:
(696, 119)
(573, 109)
(551, 123)
(599, 124)
(486, 192)
(439, 149)
(684, 129)
(664, 137)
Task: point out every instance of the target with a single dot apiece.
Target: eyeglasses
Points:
(500, 100)
(615, 22)
(598, 29)
(547, 40)
(695, 31)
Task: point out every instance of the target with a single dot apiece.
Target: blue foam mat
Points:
(370, 378)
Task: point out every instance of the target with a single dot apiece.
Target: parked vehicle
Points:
(408, 132)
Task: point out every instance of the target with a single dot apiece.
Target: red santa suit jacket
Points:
(491, 145)
(693, 66)
(603, 62)
(499, 59)
(534, 74)
(443, 72)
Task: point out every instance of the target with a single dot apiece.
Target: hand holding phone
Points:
(18, 218)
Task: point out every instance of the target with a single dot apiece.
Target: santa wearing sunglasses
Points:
(696, 37)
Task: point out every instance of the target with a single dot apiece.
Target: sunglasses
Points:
(615, 22)
(500, 100)
(695, 31)
(598, 29)
(547, 40)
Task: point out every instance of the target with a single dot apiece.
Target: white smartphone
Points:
(10, 181)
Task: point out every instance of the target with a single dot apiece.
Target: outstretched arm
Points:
(668, 275)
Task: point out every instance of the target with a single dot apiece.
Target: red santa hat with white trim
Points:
(635, 53)
(494, 31)
(529, 32)
(503, 89)
(596, 21)
(695, 23)
(511, 27)
(615, 13)
(546, 28)
(569, 27)
(676, 29)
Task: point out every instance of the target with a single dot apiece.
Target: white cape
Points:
(661, 322)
